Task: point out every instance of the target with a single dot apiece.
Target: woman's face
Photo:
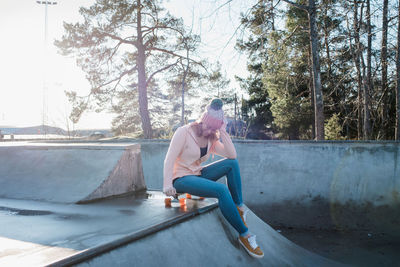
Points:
(206, 130)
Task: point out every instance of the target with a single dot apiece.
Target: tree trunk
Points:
(311, 90)
(183, 100)
(234, 121)
(318, 98)
(141, 61)
(327, 50)
(183, 87)
(368, 81)
(356, 26)
(397, 130)
(385, 113)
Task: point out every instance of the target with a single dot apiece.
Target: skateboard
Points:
(181, 199)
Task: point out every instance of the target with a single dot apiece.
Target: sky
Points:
(33, 73)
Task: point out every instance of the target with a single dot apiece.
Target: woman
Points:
(189, 147)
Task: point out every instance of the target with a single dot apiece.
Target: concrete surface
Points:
(35, 233)
(69, 173)
(208, 240)
(307, 184)
(49, 234)
(325, 184)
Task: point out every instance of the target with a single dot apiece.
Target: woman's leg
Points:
(199, 186)
(230, 168)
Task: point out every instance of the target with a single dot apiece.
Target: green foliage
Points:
(256, 110)
(333, 128)
(279, 84)
(290, 105)
(126, 121)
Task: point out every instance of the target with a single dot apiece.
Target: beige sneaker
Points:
(243, 215)
(250, 245)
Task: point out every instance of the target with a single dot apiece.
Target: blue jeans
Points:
(205, 185)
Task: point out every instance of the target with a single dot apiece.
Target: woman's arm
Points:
(226, 147)
(175, 148)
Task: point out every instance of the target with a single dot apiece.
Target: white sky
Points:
(22, 56)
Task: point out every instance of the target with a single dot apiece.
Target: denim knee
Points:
(233, 163)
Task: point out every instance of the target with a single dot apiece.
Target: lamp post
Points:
(44, 108)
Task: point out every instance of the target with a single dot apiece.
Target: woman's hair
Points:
(196, 125)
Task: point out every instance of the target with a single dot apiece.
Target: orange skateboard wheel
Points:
(183, 208)
(188, 196)
(167, 202)
(182, 201)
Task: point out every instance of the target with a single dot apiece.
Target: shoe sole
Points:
(250, 253)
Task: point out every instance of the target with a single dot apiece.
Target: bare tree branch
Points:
(116, 79)
(291, 34)
(118, 38)
(151, 29)
(171, 53)
(160, 70)
(237, 28)
(150, 15)
(113, 53)
(218, 8)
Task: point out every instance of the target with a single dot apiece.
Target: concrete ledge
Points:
(69, 173)
(98, 250)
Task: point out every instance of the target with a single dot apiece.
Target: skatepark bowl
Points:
(100, 204)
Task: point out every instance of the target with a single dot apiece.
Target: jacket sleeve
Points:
(175, 148)
(226, 147)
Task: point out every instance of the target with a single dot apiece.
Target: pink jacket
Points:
(183, 156)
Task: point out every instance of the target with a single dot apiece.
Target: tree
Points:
(397, 131)
(197, 85)
(185, 72)
(357, 64)
(287, 84)
(256, 110)
(357, 61)
(367, 87)
(333, 128)
(318, 96)
(215, 85)
(335, 58)
(123, 45)
(384, 62)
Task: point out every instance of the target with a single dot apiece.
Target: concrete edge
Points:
(126, 177)
(74, 145)
(235, 140)
(129, 238)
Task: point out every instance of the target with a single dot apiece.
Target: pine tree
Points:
(256, 110)
(333, 128)
(290, 105)
(123, 45)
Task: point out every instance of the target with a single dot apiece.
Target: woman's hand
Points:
(171, 191)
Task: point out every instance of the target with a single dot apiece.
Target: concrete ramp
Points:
(205, 240)
(69, 173)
